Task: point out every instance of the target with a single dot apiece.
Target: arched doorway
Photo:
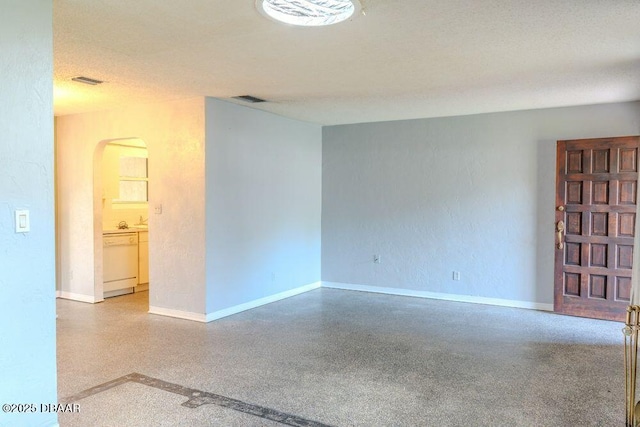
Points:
(120, 217)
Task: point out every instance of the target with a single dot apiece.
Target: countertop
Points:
(125, 230)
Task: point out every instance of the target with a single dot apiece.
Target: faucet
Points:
(142, 221)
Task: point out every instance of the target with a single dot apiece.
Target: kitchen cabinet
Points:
(134, 179)
(143, 261)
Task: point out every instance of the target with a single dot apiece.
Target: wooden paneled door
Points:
(594, 226)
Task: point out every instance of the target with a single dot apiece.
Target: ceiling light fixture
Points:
(308, 13)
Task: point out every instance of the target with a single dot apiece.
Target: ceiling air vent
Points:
(87, 80)
(249, 98)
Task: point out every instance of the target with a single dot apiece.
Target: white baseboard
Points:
(77, 297)
(200, 317)
(179, 314)
(262, 301)
(440, 296)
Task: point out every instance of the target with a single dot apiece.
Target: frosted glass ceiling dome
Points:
(309, 13)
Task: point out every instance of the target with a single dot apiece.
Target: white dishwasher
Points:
(120, 263)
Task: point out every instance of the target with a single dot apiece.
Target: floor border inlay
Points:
(198, 398)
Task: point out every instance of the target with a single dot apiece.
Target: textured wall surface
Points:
(473, 194)
(27, 275)
(174, 134)
(263, 204)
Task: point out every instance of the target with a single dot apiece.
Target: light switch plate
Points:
(22, 221)
(157, 209)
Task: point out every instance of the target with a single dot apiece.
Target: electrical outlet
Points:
(456, 275)
(376, 259)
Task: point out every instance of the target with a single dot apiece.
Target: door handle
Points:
(560, 230)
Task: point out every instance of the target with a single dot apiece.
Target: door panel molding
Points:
(596, 196)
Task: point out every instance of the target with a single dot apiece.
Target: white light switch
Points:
(22, 221)
(157, 209)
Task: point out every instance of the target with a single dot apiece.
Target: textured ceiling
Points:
(402, 59)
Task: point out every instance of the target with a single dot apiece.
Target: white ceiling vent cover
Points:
(249, 98)
(87, 80)
(308, 13)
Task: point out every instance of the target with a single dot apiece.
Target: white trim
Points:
(187, 315)
(262, 301)
(77, 297)
(142, 287)
(440, 296)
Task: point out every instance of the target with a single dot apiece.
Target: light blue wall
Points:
(263, 204)
(27, 276)
(473, 194)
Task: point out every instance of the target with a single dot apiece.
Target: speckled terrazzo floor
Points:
(344, 359)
